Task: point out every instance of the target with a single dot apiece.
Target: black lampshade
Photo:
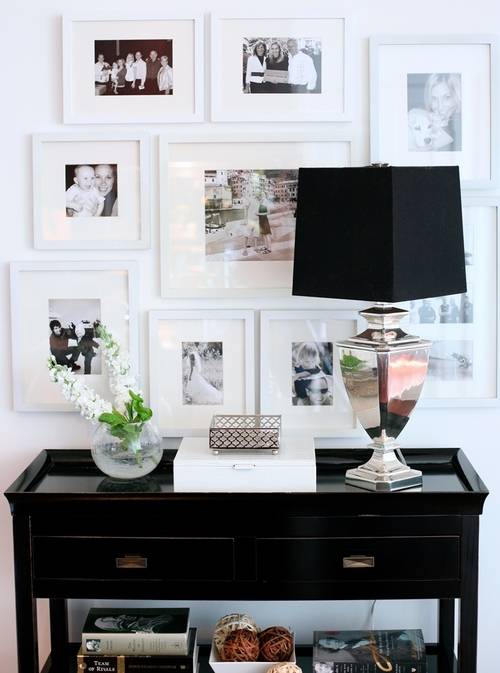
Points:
(379, 233)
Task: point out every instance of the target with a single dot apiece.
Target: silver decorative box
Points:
(233, 432)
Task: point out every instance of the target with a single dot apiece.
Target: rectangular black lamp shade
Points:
(386, 234)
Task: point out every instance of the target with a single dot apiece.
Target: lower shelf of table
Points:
(304, 660)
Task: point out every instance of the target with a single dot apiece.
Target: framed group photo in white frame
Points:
(300, 374)
(55, 309)
(298, 61)
(434, 102)
(227, 210)
(122, 69)
(464, 329)
(201, 363)
(91, 191)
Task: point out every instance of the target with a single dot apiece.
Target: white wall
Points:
(32, 102)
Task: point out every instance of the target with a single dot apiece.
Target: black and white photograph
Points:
(312, 373)
(456, 308)
(451, 360)
(91, 190)
(281, 65)
(72, 334)
(133, 67)
(250, 214)
(434, 112)
(202, 373)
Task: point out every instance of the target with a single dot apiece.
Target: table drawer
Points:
(182, 559)
(357, 559)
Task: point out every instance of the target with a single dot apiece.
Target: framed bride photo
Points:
(209, 357)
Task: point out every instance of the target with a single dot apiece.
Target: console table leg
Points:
(467, 645)
(446, 634)
(26, 618)
(59, 633)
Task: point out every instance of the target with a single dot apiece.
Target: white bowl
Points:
(219, 666)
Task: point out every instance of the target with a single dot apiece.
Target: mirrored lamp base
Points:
(384, 471)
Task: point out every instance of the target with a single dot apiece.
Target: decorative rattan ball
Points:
(241, 645)
(230, 623)
(285, 667)
(276, 644)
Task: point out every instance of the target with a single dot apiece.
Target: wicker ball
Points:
(285, 667)
(230, 623)
(241, 645)
(276, 644)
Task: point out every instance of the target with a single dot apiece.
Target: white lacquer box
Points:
(198, 470)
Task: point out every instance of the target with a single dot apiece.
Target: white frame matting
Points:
(53, 230)
(185, 105)
(33, 285)
(186, 269)
(175, 417)
(337, 420)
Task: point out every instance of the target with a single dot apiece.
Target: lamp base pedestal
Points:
(384, 471)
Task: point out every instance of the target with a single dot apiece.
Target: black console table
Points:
(80, 535)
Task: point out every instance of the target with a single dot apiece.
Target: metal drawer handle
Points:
(131, 561)
(244, 466)
(358, 562)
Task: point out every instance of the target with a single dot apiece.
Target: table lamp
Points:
(383, 234)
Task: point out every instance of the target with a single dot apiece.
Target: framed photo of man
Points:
(91, 192)
(298, 63)
(124, 69)
(434, 102)
(56, 308)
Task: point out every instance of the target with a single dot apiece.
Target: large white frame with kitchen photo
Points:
(227, 210)
(434, 101)
(463, 366)
(300, 374)
(105, 177)
(305, 57)
(201, 363)
(54, 310)
(107, 77)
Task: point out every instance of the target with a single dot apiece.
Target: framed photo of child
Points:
(434, 102)
(55, 310)
(299, 371)
(91, 192)
(227, 210)
(123, 69)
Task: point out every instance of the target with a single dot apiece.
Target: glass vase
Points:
(129, 458)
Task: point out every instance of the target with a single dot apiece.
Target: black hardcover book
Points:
(121, 663)
(400, 651)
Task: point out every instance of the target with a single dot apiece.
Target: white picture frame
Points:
(124, 154)
(434, 101)
(185, 33)
(281, 334)
(183, 397)
(463, 367)
(188, 267)
(328, 34)
(108, 290)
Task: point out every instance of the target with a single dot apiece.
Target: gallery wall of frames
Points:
(227, 210)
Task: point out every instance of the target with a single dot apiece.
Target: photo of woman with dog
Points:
(434, 112)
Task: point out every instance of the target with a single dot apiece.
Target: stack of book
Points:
(369, 651)
(138, 640)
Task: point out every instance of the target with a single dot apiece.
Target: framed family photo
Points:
(125, 69)
(209, 359)
(228, 207)
(91, 192)
(56, 308)
(298, 62)
(464, 329)
(300, 374)
(434, 102)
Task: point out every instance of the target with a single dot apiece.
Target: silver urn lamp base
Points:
(384, 371)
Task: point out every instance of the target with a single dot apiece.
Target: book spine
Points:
(397, 667)
(158, 663)
(90, 663)
(134, 643)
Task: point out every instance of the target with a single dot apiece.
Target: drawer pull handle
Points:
(244, 466)
(358, 562)
(127, 562)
